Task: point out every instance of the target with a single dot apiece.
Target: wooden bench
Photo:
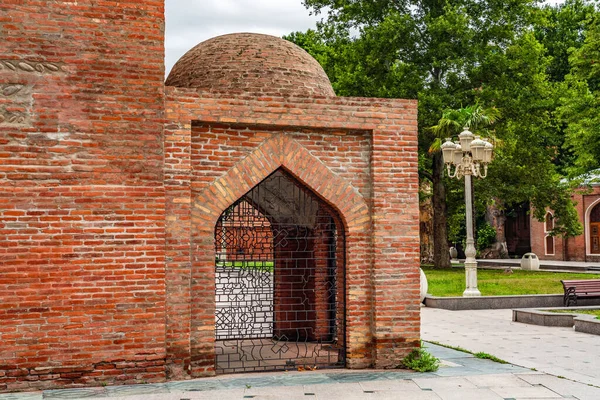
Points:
(580, 289)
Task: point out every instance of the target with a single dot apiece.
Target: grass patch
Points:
(495, 282)
(258, 265)
(587, 312)
(481, 354)
(421, 360)
(486, 356)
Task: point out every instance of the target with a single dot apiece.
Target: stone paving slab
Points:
(553, 350)
(461, 377)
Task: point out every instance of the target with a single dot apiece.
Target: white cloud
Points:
(189, 22)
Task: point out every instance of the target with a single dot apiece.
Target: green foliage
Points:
(595, 312)
(495, 282)
(486, 236)
(580, 102)
(421, 361)
(505, 58)
(482, 355)
(562, 28)
(486, 356)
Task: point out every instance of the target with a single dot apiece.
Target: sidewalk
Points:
(566, 363)
(461, 377)
(552, 350)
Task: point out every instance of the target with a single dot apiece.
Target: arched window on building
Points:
(548, 226)
(594, 230)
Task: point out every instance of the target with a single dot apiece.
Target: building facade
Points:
(584, 247)
(125, 253)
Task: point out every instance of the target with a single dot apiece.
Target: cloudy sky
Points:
(190, 22)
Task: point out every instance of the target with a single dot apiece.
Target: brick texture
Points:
(250, 63)
(371, 182)
(112, 185)
(82, 287)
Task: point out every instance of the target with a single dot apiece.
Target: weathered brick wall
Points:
(82, 203)
(359, 155)
(108, 209)
(250, 63)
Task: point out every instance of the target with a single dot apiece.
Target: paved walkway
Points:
(553, 352)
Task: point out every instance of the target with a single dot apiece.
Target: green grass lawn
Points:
(259, 265)
(451, 282)
(588, 312)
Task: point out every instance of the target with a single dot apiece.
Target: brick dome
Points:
(250, 63)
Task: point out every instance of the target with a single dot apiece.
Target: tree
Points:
(529, 140)
(560, 29)
(428, 50)
(447, 55)
(580, 102)
(450, 125)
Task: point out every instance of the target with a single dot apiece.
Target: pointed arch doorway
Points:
(280, 280)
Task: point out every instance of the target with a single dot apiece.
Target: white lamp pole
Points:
(468, 156)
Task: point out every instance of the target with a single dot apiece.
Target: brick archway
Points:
(277, 152)
(280, 151)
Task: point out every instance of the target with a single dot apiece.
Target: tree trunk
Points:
(441, 254)
(496, 217)
(426, 222)
(474, 214)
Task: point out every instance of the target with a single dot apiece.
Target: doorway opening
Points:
(280, 280)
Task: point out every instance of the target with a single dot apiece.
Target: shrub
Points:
(421, 361)
(486, 236)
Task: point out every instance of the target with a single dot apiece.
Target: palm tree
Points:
(450, 124)
(453, 121)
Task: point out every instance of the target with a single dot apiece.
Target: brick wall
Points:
(359, 155)
(111, 192)
(82, 204)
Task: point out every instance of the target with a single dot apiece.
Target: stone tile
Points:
(505, 380)
(469, 394)
(564, 387)
(357, 377)
(445, 352)
(276, 392)
(127, 390)
(229, 394)
(438, 384)
(196, 385)
(77, 393)
(533, 392)
(351, 391)
(395, 385)
(22, 396)
(308, 379)
(463, 371)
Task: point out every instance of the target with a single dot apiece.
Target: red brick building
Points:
(116, 187)
(584, 247)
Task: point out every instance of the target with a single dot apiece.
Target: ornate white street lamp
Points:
(468, 156)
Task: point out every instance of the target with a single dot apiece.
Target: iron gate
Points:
(279, 281)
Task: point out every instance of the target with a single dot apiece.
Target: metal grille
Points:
(279, 281)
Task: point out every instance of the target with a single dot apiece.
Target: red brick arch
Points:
(208, 205)
(280, 151)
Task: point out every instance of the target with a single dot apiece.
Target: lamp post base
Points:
(471, 293)
(471, 278)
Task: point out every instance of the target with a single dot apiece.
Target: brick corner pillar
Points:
(396, 278)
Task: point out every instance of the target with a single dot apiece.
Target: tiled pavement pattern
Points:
(553, 350)
(461, 376)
